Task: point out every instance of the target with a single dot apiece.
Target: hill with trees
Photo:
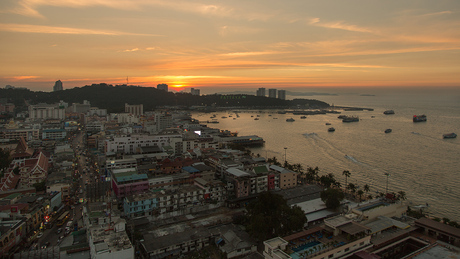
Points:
(113, 98)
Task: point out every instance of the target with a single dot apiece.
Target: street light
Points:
(285, 158)
(386, 191)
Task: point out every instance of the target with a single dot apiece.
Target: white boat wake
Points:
(310, 134)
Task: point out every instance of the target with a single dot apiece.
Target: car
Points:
(59, 231)
(40, 234)
(45, 245)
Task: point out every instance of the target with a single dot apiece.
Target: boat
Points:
(327, 123)
(331, 129)
(388, 130)
(342, 116)
(350, 119)
(419, 118)
(303, 117)
(290, 120)
(256, 119)
(388, 112)
(450, 135)
(223, 117)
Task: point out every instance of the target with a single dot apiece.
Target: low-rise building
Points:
(127, 182)
(339, 237)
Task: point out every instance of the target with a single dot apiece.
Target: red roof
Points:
(20, 206)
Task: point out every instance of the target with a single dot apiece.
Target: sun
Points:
(178, 86)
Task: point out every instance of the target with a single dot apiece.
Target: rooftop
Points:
(425, 222)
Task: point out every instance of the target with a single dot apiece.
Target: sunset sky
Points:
(230, 44)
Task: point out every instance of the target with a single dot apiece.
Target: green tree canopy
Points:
(5, 158)
(332, 198)
(270, 216)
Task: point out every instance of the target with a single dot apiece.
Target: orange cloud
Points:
(29, 28)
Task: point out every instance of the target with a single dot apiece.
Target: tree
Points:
(270, 216)
(351, 187)
(332, 198)
(347, 174)
(367, 188)
(40, 186)
(312, 174)
(5, 159)
(402, 196)
(274, 161)
(360, 193)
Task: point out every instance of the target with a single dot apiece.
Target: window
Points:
(332, 255)
(347, 249)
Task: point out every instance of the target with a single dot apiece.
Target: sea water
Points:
(415, 156)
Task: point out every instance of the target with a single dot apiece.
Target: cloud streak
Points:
(30, 28)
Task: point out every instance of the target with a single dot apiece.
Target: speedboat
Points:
(450, 135)
(388, 130)
(387, 112)
(419, 118)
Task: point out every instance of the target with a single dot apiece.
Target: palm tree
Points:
(337, 184)
(347, 174)
(351, 187)
(366, 188)
(402, 195)
(312, 173)
(360, 193)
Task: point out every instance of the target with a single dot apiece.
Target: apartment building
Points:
(130, 144)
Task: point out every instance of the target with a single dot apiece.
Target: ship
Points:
(331, 129)
(290, 120)
(350, 119)
(450, 135)
(303, 117)
(419, 118)
(387, 112)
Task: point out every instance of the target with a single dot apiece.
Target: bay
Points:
(416, 157)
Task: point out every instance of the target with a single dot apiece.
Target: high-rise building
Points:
(135, 109)
(282, 94)
(272, 93)
(260, 92)
(194, 91)
(57, 86)
(163, 87)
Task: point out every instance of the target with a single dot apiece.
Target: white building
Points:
(46, 111)
(136, 109)
(260, 92)
(163, 87)
(282, 94)
(194, 91)
(130, 144)
(96, 111)
(128, 118)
